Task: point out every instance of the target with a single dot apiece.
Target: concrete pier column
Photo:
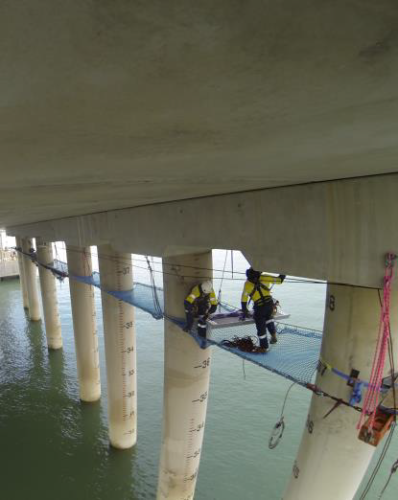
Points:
(31, 281)
(186, 383)
(22, 280)
(84, 323)
(49, 295)
(120, 350)
(331, 460)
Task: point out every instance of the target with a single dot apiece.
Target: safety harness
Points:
(258, 287)
(201, 303)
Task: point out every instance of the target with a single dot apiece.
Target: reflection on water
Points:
(55, 447)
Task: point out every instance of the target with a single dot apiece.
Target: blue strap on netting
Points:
(346, 377)
(356, 396)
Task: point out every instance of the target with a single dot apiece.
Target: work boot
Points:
(274, 340)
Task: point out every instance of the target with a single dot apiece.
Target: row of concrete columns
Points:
(187, 367)
(329, 449)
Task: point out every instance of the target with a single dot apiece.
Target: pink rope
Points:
(376, 377)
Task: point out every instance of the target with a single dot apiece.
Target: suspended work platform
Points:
(232, 319)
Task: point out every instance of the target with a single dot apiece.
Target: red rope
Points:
(373, 392)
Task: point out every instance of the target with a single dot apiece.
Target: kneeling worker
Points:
(257, 288)
(200, 302)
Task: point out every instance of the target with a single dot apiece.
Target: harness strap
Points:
(258, 288)
(202, 300)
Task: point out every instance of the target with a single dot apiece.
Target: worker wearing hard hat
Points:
(257, 288)
(200, 302)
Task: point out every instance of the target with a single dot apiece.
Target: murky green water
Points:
(54, 447)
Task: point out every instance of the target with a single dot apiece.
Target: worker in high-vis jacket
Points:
(257, 288)
(200, 303)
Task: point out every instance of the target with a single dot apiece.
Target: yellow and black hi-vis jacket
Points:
(196, 299)
(199, 304)
(259, 292)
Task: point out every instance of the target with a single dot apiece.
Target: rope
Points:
(245, 344)
(279, 427)
(373, 392)
(222, 280)
(370, 406)
(394, 466)
(378, 465)
(393, 470)
(156, 302)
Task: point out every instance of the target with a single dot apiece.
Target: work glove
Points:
(282, 277)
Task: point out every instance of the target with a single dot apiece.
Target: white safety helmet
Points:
(207, 287)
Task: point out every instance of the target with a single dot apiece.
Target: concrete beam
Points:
(131, 103)
(337, 231)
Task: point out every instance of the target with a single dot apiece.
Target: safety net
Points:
(148, 297)
(295, 356)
